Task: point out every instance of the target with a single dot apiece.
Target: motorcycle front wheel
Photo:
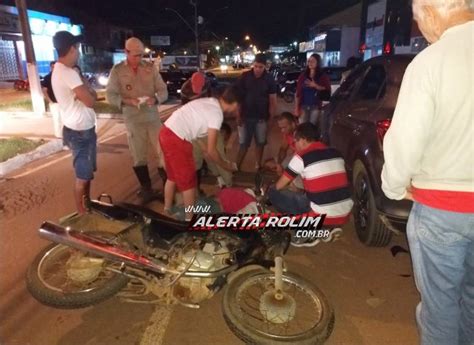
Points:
(303, 317)
(62, 277)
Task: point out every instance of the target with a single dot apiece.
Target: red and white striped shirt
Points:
(325, 181)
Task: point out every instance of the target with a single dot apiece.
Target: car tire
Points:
(369, 226)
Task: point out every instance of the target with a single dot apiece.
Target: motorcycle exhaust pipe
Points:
(87, 243)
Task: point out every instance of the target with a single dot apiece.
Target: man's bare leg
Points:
(259, 155)
(81, 192)
(241, 156)
(189, 198)
(170, 189)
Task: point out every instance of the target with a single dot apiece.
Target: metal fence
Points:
(8, 62)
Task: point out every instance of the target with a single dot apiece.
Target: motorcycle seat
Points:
(157, 218)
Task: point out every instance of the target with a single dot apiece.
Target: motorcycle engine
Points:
(212, 257)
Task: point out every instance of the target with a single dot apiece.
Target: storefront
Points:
(334, 46)
(389, 29)
(12, 51)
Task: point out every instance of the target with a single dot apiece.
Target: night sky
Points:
(266, 21)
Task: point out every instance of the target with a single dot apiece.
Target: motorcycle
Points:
(141, 256)
(288, 86)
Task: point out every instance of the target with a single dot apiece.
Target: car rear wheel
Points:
(369, 226)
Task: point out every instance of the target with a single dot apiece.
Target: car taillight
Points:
(382, 128)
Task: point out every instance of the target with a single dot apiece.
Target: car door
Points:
(339, 107)
(355, 122)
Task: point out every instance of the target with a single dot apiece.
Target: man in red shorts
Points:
(196, 119)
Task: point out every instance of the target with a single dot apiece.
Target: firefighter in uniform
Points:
(136, 87)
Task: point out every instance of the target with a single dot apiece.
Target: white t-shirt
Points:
(430, 141)
(74, 114)
(192, 120)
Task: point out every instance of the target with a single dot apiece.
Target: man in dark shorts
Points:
(258, 90)
(75, 101)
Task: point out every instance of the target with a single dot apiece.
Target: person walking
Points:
(136, 87)
(429, 158)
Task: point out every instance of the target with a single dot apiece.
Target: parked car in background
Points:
(359, 115)
(174, 80)
(335, 76)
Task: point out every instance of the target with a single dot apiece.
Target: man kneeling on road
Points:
(326, 187)
(75, 101)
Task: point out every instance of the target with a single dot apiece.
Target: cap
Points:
(134, 46)
(63, 40)
(198, 80)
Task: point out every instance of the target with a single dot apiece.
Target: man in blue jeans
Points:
(326, 187)
(258, 90)
(429, 158)
(75, 100)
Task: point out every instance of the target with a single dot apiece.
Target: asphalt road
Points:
(372, 292)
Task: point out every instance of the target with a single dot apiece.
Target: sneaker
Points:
(334, 235)
(305, 242)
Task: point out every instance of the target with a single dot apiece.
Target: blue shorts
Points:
(253, 129)
(83, 145)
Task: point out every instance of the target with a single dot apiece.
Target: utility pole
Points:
(196, 32)
(31, 66)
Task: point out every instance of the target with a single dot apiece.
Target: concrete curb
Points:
(42, 151)
(56, 145)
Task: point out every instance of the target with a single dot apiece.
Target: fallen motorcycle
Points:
(141, 256)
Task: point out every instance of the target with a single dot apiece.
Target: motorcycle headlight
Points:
(103, 80)
(283, 89)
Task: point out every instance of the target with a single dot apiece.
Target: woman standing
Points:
(312, 88)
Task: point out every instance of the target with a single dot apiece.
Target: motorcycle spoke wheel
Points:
(309, 308)
(55, 267)
(63, 277)
(303, 316)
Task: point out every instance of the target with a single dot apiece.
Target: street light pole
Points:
(196, 32)
(32, 68)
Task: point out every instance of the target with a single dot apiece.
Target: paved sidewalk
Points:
(31, 126)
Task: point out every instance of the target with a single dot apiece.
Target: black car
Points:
(174, 80)
(359, 115)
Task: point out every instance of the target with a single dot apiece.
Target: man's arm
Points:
(272, 98)
(212, 153)
(84, 95)
(113, 93)
(282, 182)
(294, 168)
(45, 94)
(283, 150)
(408, 134)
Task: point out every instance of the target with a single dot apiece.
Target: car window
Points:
(350, 84)
(373, 86)
(334, 74)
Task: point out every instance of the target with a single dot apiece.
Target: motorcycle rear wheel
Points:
(47, 280)
(245, 320)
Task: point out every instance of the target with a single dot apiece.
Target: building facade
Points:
(335, 38)
(12, 50)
